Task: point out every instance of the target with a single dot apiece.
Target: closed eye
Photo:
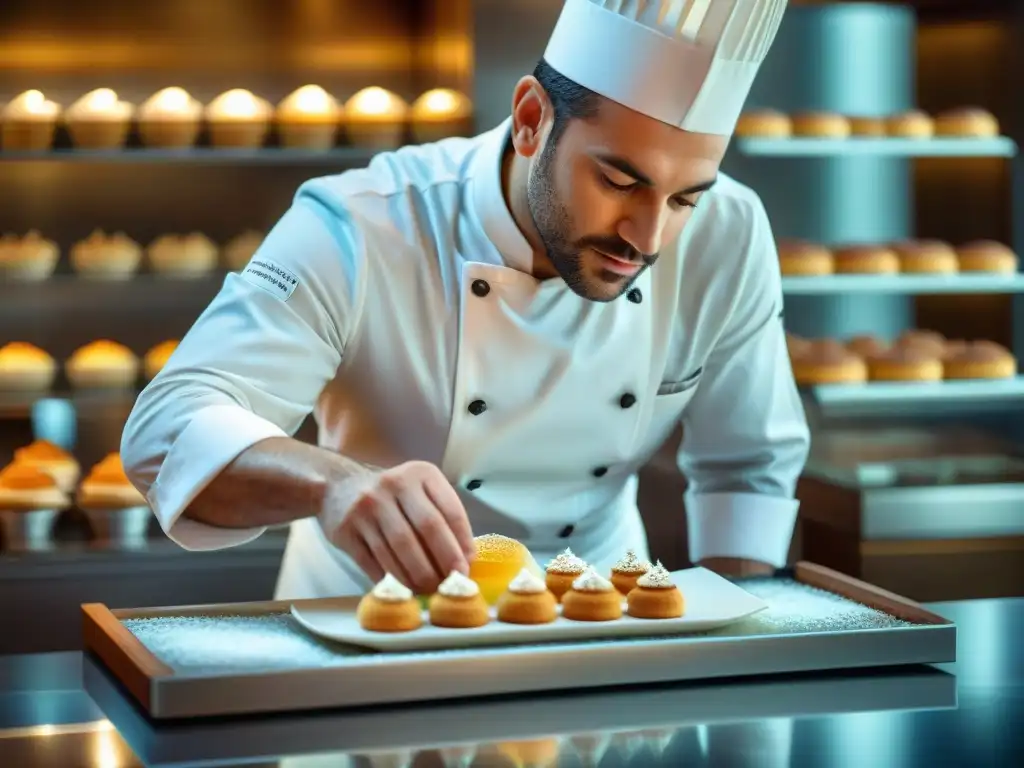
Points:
(617, 187)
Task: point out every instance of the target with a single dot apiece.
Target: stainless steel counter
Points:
(968, 714)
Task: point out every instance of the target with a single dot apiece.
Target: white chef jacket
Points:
(388, 299)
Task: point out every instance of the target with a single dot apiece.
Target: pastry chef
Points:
(494, 334)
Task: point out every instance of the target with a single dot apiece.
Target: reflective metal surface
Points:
(961, 715)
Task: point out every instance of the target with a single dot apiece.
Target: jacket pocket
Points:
(675, 387)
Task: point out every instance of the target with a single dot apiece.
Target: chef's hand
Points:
(407, 521)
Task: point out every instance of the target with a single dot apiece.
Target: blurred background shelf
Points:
(143, 292)
(26, 405)
(839, 401)
(903, 284)
(341, 157)
(809, 147)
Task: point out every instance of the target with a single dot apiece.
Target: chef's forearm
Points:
(274, 482)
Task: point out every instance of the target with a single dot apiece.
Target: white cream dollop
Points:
(656, 578)
(526, 582)
(592, 581)
(238, 104)
(566, 563)
(31, 105)
(458, 585)
(309, 100)
(101, 104)
(391, 590)
(171, 103)
(630, 563)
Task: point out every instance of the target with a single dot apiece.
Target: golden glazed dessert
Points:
(527, 601)
(913, 124)
(51, 459)
(102, 364)
(592, 598)
(99, 120)
(866, 260)
(106, 257)
(108, 487)
(238, 120)
(308, 118)
(828, 362)
(24, 488)
(867, 127)
(156, 358)
(562, 571)
(27, 259)
(389, 607)
(440, 113)
(498, 559)
(932, 257)
(799, 258)
(906, 363)
(967, 122)
(458, 604)
(26, 368)
(191, 255)
(979, 360)
(170, 119)
(986, 256)
(867, 346)
(241, 248)
(28, 122)
(625, 573)
(655, 596)
(764, 124)
(821, 125)
(376, 118)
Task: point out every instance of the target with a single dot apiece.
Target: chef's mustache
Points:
(619, 248)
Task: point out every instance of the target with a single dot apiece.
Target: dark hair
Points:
(570, 99)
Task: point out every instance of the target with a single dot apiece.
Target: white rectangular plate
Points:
(711, 602)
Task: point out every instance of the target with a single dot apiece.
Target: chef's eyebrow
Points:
(622, 165)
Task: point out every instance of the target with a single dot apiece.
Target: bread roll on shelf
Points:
(967, 122)
(764, 124)
(821, 125)
(866, 260)
(800, 258)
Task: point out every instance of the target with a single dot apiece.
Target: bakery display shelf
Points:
(20, 405)
(903, 284)
(337, 156)
(814, 147)
(243, 659)
(915, 398)
(633, 718)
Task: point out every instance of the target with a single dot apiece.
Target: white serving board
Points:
(711, 602)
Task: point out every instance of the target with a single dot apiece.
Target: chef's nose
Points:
(644, 227)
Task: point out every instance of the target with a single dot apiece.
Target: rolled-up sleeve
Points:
(251, 367)
(745, 434)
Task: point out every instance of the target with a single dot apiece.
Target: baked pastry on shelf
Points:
(967, 122)
(440, 113)
(913, 124)
(106, 486)
(986, 256)
(458, 604)
(51, 459)
(821, 125)
(655, 596)
(828, 362)
(867, 127)
(562, 571)
(527, 601)
(28, 122)
(238, 120)
(191, 255)
(866, 260)
(27, 259)
(376, 118)
(932, 342)
(308, 118)
(102, 364)
(906, 363)
(800, 258)
(926, 257)
(25, 488)
(156, 358)
(99, 120)
(241, 248)
(389, 607)
(764, 124)
(866, 346)
(797, 345)
(979, 360)
(592, 598)
(170, 119)
(26, 368)
(106, 257)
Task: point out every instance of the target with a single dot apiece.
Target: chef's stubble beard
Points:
(553, 223)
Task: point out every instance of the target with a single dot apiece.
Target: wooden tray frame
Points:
(143, 674)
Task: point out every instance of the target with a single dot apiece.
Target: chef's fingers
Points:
(350, 542)
(433, 530)
(450, 506)
(403, 541)
(386, 558)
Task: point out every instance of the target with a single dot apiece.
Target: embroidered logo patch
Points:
(273, 279)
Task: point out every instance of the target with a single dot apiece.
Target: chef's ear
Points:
(532, 114)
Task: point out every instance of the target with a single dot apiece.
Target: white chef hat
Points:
(688, 63)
